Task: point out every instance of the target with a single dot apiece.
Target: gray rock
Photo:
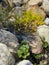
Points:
(19, 2)
(35, 43)
(47, 21)
(9, 39)
(24, 62)
(43, 31)
(34, 2)
(17, 10)
(5, 56)
(45, 6)
(24, 1)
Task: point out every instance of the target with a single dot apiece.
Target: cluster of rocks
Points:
(8, 48)
(6, 57)
(39, 7)
(8, 41)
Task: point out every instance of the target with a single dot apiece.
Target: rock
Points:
(24, 1)
(36, 10)
(45, 6)
(7, 3)
(34, 2)
(5, 56)
(19, 2)
(35, 43)
(9, 39)
(1, 26)
(24, 62)
(47, 21)
(43, 32)
(43, 62)
(17, 11)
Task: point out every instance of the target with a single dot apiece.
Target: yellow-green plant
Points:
(28, 22)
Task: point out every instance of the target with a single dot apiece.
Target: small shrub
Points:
(23, 51)
(3, 15)
(28, 22)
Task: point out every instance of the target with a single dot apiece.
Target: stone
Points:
(17, 11)
(16, 2)
(24, 62)
(47, 21)
(19, 2)
(43, 32)
(43, 62)
(1, 25)
(35, 43)
(6, 57)
(9, 39)
(34, 2)
(7, 3)
(45, 6)
(37, 10)
(24, 1)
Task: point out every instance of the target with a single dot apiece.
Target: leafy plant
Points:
(38, 56)
(23, 51)
(45, 44)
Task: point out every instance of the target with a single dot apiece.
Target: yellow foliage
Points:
(28, 21)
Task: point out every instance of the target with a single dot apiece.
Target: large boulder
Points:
(43, 32)
(37, 10)
(45, 6)
(5, 56)
(24, 62)
(9, 39)
(34, 2)
(35, 43)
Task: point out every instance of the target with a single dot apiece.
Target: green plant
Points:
(23, 51)
(45, 44)
(38, 56)
(3, 15)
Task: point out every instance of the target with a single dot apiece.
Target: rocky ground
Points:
(11, 39)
